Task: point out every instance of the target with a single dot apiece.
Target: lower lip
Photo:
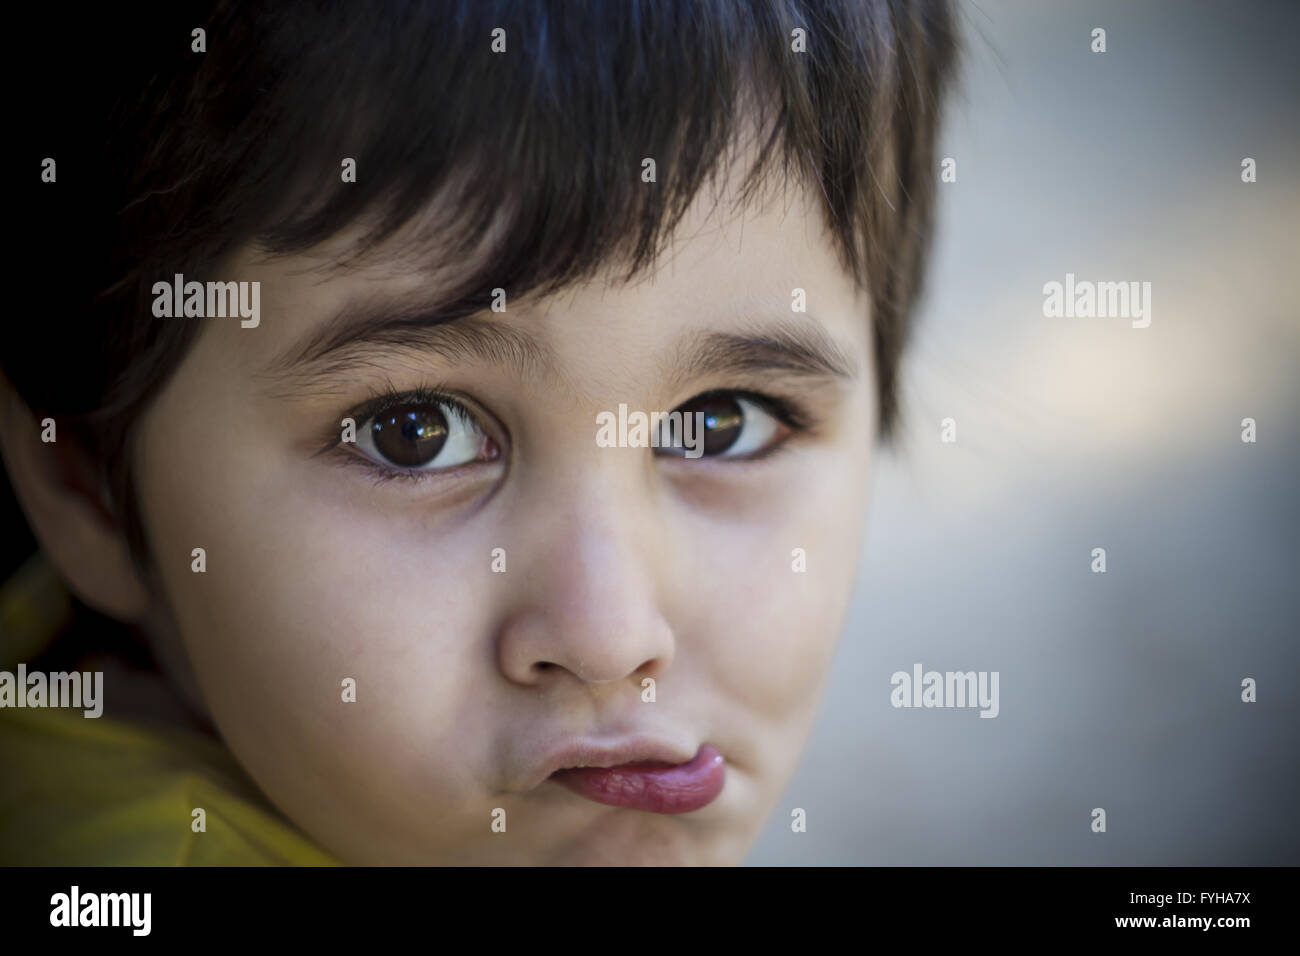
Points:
(655, 788)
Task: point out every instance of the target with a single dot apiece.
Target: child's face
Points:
(620, 564)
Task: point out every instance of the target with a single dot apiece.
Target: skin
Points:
(621, 564)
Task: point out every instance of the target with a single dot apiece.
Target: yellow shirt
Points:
(98, 791)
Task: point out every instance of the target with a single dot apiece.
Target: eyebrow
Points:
(365, 333)
(359, 332)
(796, 349)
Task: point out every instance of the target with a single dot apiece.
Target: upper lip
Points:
(586, 752)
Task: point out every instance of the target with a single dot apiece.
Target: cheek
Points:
(777, 582)
(298, 596)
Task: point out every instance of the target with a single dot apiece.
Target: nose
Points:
(582, 601)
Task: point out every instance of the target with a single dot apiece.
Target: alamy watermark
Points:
(946, 689)
(198, 300)
(1098, 300)
(59, 689)
(75, 908)
(651, 430)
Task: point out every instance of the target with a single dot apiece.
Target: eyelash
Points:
(384, 400)
(787, 411)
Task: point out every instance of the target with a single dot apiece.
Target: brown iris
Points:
(410, 435)
(723, 421)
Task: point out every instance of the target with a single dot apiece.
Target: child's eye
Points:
(423, 436)
(735, 426)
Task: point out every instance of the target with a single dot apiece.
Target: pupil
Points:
(723, 421)
(410, 435)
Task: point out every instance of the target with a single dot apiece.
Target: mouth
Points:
(644, 776)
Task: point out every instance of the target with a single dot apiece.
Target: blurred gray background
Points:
(1119, 690)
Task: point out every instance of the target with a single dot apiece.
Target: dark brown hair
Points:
(169, 159)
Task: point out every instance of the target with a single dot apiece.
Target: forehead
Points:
(727, 267)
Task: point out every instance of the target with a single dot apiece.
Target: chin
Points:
(634, 838)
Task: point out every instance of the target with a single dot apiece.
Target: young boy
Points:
(351, 396)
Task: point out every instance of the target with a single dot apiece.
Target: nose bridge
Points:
(590, 603)
(598, 556)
